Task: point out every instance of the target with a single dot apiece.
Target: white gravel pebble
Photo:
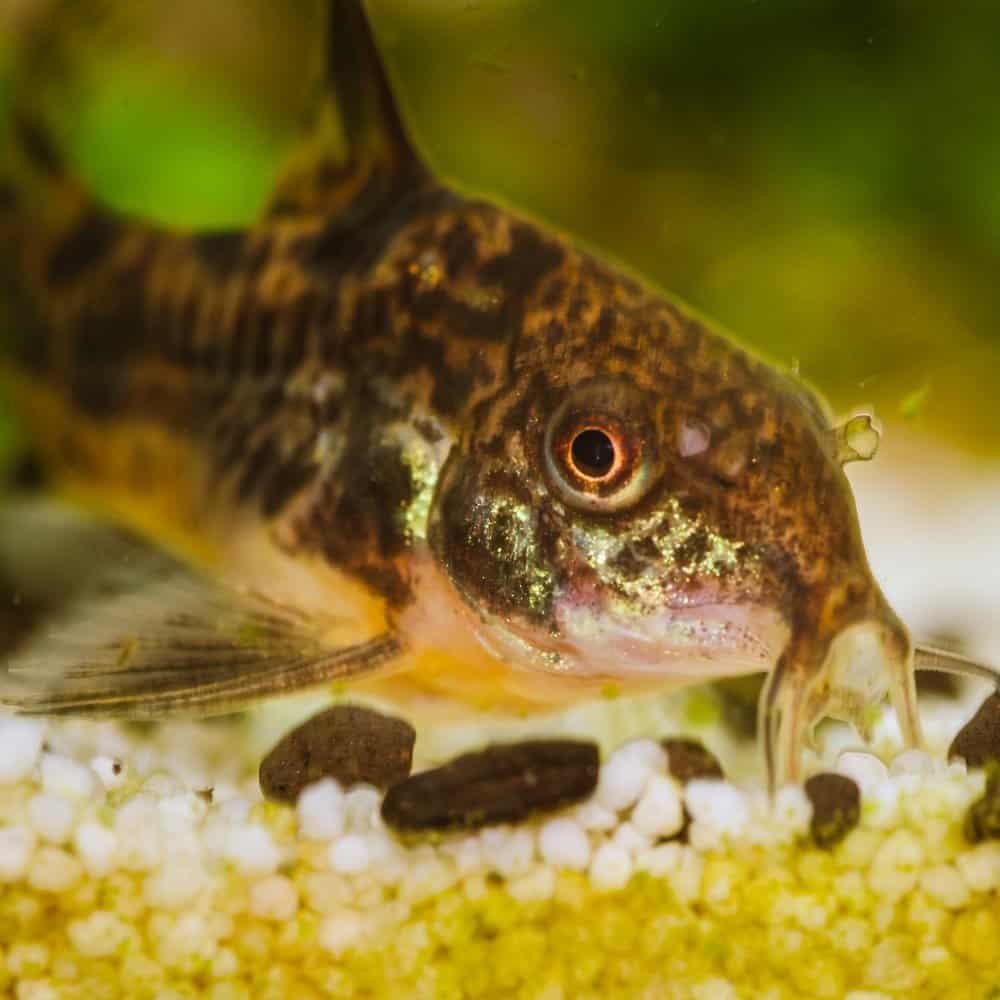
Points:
(512, 854)
(980, 867)
(53, 870)
(467, 853)
(626, 772)
(563, 843)
(896, 865)
(944, 884)
(67, 778)
(388, 858)
(190, 936)
(792, 808)
(659, 813)
(96, 846)
(252, 849)
(718, 810)
(225, 964)
(274, 898)
(591, 815)
(320, 810)
(181, 812)
(475, 887)
(933, 954)
(98, 935)
(176, 884)
(687, 876)
(362, 808)
(491, 841)
(631, 840)
(52, 817)
(882, 805)
(341, 930)
(349, 854)
(714, 989)
(659, 860)
(235, 810)
(915, 762)
(535, 887)
(611, 867)
(361, 880)
(865, 769)
(20, 746)
(111, 772)
(16, 845)
(428, 876)
(136, 825)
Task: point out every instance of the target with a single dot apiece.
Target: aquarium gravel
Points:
(144, 862)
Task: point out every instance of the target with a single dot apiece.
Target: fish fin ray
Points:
(932, 658)
(149, 637)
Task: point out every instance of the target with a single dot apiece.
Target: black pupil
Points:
(593, 453)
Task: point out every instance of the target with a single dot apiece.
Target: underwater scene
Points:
(499, 499)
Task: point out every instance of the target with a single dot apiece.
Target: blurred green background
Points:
(823, 177)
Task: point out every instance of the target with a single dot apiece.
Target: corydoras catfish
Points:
(402, 438)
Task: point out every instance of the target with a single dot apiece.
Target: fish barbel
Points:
(403, 438)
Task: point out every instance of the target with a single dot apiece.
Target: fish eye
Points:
(593, 453)
(596, 459)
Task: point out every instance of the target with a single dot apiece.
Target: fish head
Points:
(640, 499)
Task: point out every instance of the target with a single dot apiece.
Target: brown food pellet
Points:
(351, 744)
(982, 821)
(502, 784)
(688, 760)
(836, 802)
(978, 741)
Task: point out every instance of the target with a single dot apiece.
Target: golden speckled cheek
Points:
(485, 531)
(666, 594)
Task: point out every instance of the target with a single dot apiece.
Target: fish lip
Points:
(698, 641)
(582, 638)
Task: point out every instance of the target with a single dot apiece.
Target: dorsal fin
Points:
(357, 76)
(374, 151)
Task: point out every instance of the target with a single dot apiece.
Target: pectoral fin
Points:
(142, 635)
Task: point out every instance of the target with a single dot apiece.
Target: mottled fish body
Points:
(410, 439)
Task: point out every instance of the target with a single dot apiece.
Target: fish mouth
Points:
(585, 642)
(698, 642)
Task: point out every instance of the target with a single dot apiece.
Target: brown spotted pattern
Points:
(384, 372)
(288, 349)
